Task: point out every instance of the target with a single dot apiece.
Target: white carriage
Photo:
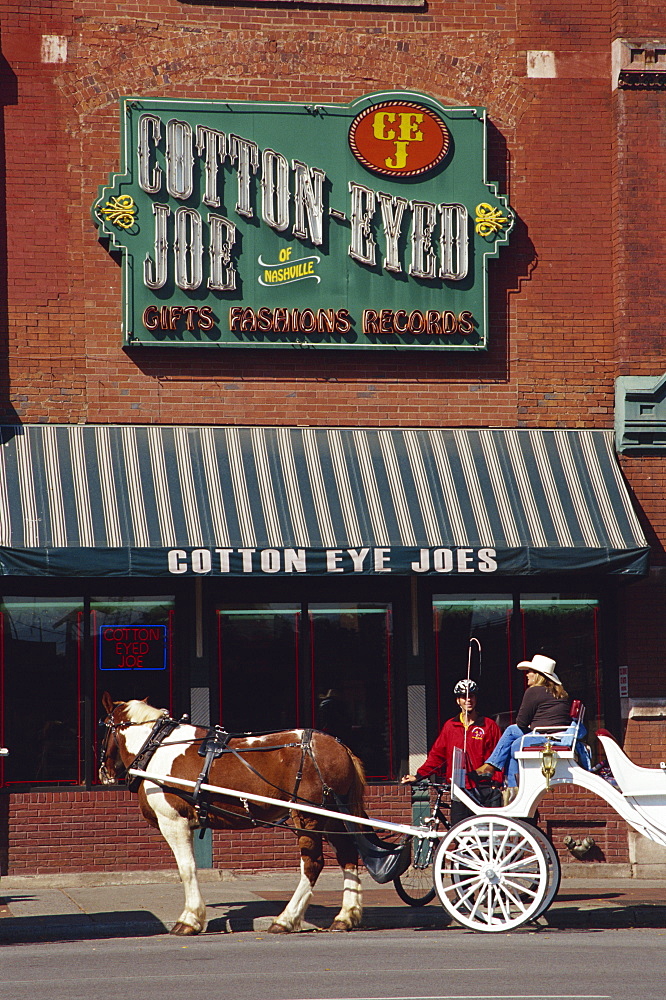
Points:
(496, 870)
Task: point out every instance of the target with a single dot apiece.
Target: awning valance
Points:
(93, 500)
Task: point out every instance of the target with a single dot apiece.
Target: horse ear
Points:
(107, 702)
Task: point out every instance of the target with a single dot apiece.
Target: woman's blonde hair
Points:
(556, 690)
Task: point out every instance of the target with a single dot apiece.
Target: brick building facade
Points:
(575, 143)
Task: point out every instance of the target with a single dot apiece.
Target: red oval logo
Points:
(399, 139)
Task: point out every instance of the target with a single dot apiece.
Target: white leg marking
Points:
(294, 911)
(352, 899)
(176, 831)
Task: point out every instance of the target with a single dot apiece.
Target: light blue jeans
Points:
(503, 756)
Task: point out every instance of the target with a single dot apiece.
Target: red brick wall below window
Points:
(567, 811)
(52, 832)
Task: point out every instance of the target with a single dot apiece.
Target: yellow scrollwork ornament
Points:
(489, 220)
(120, 211)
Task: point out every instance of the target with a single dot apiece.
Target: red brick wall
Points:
(568, 811)
(50, 832)
(645, 741)
(573, 301)
(552, 343)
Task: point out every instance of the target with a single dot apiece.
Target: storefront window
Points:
(567, 630)
(132, 642)
(40, 682)
(486, 619)
(258, 667)
(351, 679)
(273, 659)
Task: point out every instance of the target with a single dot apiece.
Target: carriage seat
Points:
(563, 736)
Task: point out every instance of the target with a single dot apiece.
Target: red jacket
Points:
(482, 737)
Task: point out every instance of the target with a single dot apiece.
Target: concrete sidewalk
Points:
(129, 904)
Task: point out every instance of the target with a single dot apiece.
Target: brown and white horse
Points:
(328, 769)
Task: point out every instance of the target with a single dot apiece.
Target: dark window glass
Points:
(567, 630)
(40, 664)
(351, 679)
(132, 641)
(458, 620)
(258, 667)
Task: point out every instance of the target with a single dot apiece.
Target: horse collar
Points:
(162, 728)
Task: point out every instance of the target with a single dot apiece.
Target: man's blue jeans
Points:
(503, 756)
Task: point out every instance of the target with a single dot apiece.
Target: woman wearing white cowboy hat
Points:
(545, 705)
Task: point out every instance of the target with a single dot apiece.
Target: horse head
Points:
(120, 715)
(111, 767)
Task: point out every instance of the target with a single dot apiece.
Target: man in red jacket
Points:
(482, 737)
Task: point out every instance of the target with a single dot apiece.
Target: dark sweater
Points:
(540, 708)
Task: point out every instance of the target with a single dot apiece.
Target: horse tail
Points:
(355, 794)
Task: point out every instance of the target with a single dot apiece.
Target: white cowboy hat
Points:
(541, 665)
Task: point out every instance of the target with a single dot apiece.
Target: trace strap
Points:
(212, 746)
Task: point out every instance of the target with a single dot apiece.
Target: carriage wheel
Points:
(554, 870)
(415, 886)
(492, 873)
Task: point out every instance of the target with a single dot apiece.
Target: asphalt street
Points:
(547, 964)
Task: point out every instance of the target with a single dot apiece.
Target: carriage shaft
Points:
(411, 831)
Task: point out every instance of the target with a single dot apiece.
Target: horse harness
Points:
(383, 859)
(213, 745)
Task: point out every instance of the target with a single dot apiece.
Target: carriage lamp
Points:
(548, 762)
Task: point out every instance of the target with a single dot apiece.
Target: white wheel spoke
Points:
(459, 901)
(465, 860)
(483, 853)
(501, 899)
(514, 849)
(516, 899)
(482, 892)
(520, 885)
(464, 896)
(501, 847)
(521, 863)
(458, 878)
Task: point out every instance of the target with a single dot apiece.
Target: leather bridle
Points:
(112, 727)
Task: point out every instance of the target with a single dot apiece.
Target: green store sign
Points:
(284, 225)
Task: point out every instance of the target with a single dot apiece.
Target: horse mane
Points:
(139, 711)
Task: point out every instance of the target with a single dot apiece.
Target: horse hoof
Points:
(339, 925)
(183, 929)
(277, 929)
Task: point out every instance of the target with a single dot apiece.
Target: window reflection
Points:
(563, 628)
(41, 655)
(567, 630)
(488, 619)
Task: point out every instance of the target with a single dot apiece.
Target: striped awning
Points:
(171, 501)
